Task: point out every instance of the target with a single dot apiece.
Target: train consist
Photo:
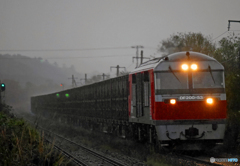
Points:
(175, 99)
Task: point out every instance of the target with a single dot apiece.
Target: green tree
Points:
(187, 42)
(228, 54)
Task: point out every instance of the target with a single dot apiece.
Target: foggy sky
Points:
(57, 29)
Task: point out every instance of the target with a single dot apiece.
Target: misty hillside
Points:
(34, 70)
(25, 77)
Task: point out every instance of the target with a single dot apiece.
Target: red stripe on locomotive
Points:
(190, 110)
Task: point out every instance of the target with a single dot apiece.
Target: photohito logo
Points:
(212, 160)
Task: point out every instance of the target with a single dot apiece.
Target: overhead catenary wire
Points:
(223, 34)
(53, 50)
(103, 56)
(219, 35)
(68, 50)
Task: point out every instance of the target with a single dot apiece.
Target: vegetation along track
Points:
(170, 158)
(93, 156)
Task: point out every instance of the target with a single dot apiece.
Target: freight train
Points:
(178, 99)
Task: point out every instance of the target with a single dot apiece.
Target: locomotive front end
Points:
(190, 99)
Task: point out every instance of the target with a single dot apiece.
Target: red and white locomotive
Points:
(182, 95)
(179, 98)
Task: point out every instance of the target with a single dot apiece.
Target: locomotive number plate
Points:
(190, 97)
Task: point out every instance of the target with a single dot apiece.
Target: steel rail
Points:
(94, 153)
(67, 154)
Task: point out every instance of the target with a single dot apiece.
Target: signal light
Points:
(184, 66)
(67, 95)
(57, 95)
(3, 87)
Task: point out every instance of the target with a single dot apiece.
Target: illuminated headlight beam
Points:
(194, 67)
(185, 67)
(209, 100)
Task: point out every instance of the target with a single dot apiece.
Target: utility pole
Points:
(103, 75)
(74, 84)
(141, 57)
(137, 47)
(84, 79)
(229, 21)
(117, 69)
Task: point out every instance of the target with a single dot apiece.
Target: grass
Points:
(103, 142)
(21, 144)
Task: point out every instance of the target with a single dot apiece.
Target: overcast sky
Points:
(61, 30)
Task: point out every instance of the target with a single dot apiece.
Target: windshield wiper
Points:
(210, 70)
(173, 73)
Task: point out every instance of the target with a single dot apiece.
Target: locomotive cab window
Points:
(170, 80)
(213, 79)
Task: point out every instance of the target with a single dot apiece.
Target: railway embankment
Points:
(118, 147)
(21, 144)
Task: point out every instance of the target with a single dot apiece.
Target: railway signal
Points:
(3, 87)
(62, 85)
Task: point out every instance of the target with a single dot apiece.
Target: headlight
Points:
(194, 66)
(209, 100)
(172, 101)
(184, 66)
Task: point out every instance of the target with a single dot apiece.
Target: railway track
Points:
(70, 156)
(188, 159)
(102, 159)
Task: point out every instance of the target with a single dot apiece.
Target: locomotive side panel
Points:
(140, 97)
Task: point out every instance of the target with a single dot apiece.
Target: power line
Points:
(137, 47)
(219, 35)
(104, 56)
(223, 34)
(81, 49)
(117, 67)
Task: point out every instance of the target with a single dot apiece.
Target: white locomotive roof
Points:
(179, 56)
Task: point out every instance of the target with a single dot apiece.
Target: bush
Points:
(22, 145)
